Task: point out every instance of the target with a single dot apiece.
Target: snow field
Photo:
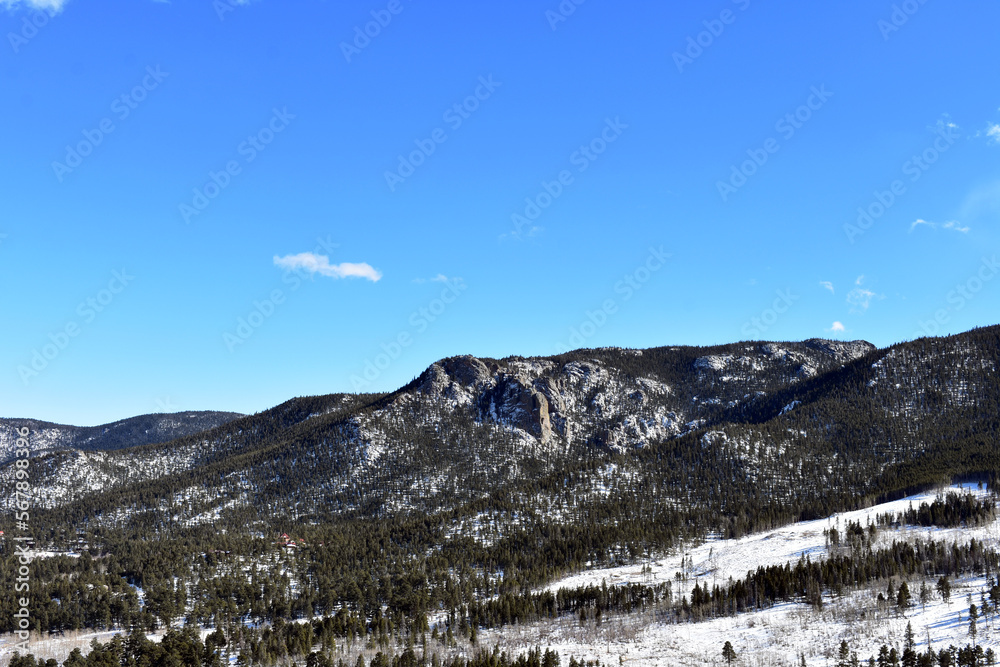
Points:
(776, 636)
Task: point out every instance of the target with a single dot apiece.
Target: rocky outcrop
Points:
(842, 351)
(514, 402)
(592, 399)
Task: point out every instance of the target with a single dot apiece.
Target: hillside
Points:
(775, 420)
(486, 479)
(780, 634)
(132, 432)
(456, 432)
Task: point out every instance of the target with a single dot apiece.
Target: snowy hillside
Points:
(777, 636)
(717, 560)
(142, 430)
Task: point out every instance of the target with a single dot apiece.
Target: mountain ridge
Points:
(491, 477)
(530, 415)
(128, 432)
(847, 414)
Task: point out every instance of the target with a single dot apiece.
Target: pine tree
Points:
(944, 588)
(909, 651)
(903, 598)
(844, 655)
(925, 595)
(728, 653)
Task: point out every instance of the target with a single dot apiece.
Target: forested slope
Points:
(492, 476)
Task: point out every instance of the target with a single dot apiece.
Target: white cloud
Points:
(439, 278)
(860, 298)
(837, 327)
(953, 225)
(53, 6)
(946, 121)
(826, 284)
(993, 133)
(313, 263)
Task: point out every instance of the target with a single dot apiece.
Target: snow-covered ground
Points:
(718, 560)
(776, 636)
(60, 646)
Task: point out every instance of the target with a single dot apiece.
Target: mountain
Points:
(463, 426)
(749, 431)
(142, 430)
(492, 477)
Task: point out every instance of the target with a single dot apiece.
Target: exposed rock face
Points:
(468, 370)
(526, 408)
(843, 351)
(589, 398)
(504, 395)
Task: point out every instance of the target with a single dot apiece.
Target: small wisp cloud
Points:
(52, 6)
(860, 298)
(312, 263)
(993, 133)
(953, 225)
(439, 278)
(56, 6)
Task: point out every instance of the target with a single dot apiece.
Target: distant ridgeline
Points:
(143, 430)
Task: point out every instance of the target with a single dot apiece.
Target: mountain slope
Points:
(456, 433)
(758, 430)
(490, 477)
(132, 432)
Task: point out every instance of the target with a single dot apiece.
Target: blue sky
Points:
(224, 205)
